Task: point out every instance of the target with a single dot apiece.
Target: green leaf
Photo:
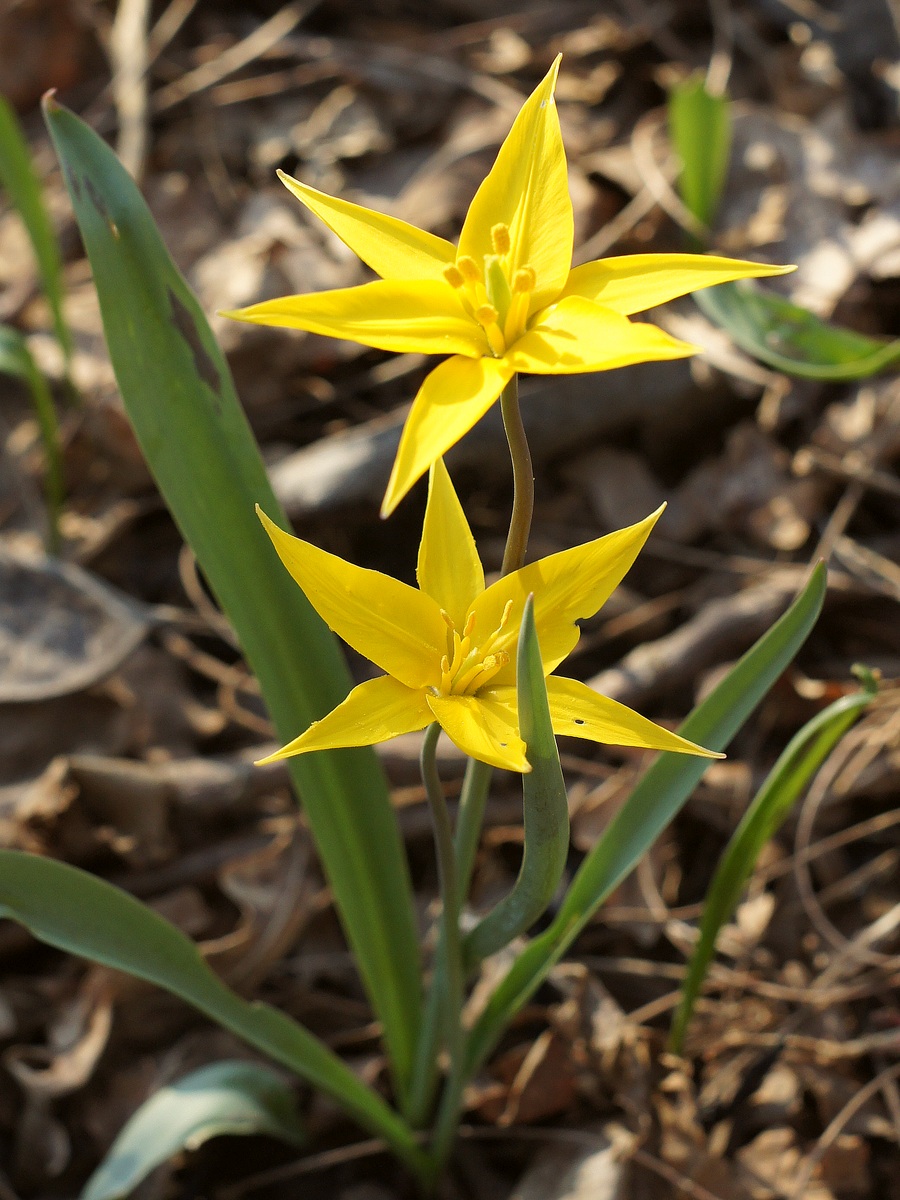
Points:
(800, 760)
(223, 1098)
(545, 810)
(18, 177)
(792, 339)
(180, 398)
(649, 809)
(16, 359)
(84, 915)
(700, 128)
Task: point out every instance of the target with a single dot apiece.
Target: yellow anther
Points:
(445, 665)
(486, 314)
(454, 276)
(524, 280)
(469, 269)
(500, 238)
(507, 609)
(447, 619)
(470, 626)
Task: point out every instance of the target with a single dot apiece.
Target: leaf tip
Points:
(49, 103)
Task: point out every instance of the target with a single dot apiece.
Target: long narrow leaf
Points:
(18, 177)
(237, 1098)
(792, 339)
(700, 128)
(180, 398)
(84, 915)
(799, 761)
(650, 807)
(16, 359)
(545, 809)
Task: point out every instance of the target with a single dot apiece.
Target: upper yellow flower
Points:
(448, 647)
(506, 300)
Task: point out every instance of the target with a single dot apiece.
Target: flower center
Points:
(467, 667)
(495, 295)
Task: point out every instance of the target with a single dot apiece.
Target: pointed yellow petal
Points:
(389, 622)
(634, 282)
(481, 728)
(567, 586)
(579, 711)
(423, 317)
(453, 397)
(449, 568)
(376, 711)
(528, 191)
(578, 335)
(393, 249)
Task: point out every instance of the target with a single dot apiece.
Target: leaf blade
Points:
(793, 339)
(181, 401)
(649, 808)
(799, 761)
(237, 1098)
(76, 912)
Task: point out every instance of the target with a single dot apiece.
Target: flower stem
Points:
(447, 986)
(523, 479)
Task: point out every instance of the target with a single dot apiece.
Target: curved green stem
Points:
(523, 479)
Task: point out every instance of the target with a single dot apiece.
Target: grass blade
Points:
(796, 766)
(650, 807)
(79, 913)
(180, 398)
(222, 1098)
(19, 179)
(16, 359)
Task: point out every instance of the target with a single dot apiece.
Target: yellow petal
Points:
(481, 728)
(579, 711)
(567, 586)
(391, 623)
(453, 397)
(393, 249)
(423, 317)
(634, 282)
(449, 568)
(528, 191)
(578, 335)
(376, 711)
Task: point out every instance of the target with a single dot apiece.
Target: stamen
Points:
(469, 626)
(448, 620)
(445, 665)
(454, 276)
(524, 279)
(486, 315)
(469, 269)
(507, 609)
(500, 238)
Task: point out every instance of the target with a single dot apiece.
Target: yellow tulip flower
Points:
(448, 647)
(505, 301)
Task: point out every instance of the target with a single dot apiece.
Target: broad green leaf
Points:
(700, 128)
(545, 810)
(649, 809)
(84, 915)
(223, 1098)
(796, 766)
(20, 181)
(180, 398)
(16, 359)
(792, 339)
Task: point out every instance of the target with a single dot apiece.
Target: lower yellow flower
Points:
(449, 647)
